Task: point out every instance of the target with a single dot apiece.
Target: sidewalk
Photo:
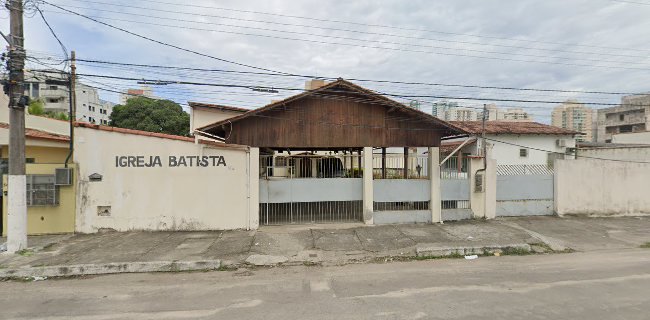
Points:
(316, 244)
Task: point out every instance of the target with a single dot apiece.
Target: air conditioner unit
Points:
(63, 176)
(561, 142)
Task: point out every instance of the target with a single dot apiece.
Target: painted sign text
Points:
(171, 161)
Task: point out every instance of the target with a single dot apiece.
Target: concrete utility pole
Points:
(17, 181)
(73, 102)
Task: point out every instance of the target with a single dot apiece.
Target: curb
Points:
(110, 268)
(437, 251)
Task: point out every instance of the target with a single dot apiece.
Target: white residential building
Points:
(451, 111)
(509, 114)
(517, 143)
(39, 84)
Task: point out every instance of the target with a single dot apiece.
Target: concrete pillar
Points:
(491, 189)
(406, 163)
(253, 188)
(435, 202)
(483, 202)
(314, 167)
(16, 213)
(383, 163)
(368, 197)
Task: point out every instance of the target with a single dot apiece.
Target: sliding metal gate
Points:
(310, 189)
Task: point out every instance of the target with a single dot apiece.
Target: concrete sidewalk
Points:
(113, 252)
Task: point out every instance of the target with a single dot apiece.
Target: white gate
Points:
(310, 189)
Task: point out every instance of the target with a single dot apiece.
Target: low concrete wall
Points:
(133, 194)
(631, 153)
(406, 216)
(601, 187)
(456, 214)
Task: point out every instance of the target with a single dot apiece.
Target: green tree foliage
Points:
(151, 115)
(36, 107)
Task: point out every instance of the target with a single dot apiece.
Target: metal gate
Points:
(524, 190)
(310, 189)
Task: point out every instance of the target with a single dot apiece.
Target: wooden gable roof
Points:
(337, 115)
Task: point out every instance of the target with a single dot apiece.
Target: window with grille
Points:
(41, 190)
(523, 153)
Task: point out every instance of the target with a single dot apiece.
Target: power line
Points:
(352, 79)
(63, 48)
(225, 85)
(383, 47)
(160, 42)
(327, 28)
(367, 24)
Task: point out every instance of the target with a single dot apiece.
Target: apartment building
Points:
(633, 115)
(574, 115)
(451, 111)
(495, 113)
(47, 86)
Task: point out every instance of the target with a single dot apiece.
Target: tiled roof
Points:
(451, 129)
(155, 134)
(511, 127)
(217, 106)
(39, 134)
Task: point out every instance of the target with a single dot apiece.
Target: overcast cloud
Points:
(571, 45)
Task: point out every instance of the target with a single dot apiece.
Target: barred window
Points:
(41, 190)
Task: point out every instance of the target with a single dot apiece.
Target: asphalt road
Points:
(611, 284)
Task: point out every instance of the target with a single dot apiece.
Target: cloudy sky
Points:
(579, 45)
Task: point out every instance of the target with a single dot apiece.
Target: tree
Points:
(36, 107)
(162, 116)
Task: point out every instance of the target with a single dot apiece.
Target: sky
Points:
(573, 45)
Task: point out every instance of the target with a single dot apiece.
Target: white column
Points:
(253, 188)
(491, 189)
(435, 204)
(483, 202)
(16, 213)
(477, 198)
(368, 196)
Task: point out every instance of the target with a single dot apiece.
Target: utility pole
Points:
(17, 181)
(73, 85)
(73, 102)
(483, 145)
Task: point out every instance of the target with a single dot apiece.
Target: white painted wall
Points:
(600, 187)
(35, 122)
(200, 117)
(508, 152)
(632, 153)
(632, 137)
(160, 198)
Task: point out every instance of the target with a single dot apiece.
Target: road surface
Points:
(611, 284)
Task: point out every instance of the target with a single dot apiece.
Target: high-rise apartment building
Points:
(576, 116)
